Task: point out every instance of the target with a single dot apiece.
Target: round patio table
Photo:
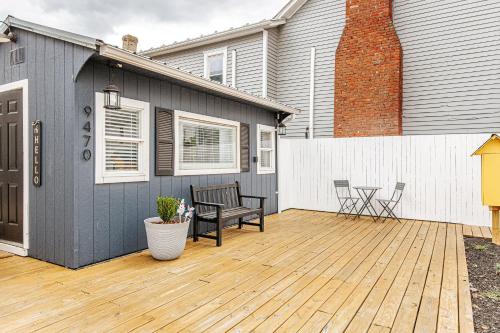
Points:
(366, 193)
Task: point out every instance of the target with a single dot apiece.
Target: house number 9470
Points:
(87, 153)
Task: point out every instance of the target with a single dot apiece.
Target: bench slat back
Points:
(228, 194)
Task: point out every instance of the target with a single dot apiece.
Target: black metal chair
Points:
(388, 205)
(346, 200)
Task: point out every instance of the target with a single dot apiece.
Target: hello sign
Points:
(37, 153)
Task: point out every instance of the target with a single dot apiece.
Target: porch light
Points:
(281, 129)
(9, 36)
(111, 97)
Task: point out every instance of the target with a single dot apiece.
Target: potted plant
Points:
(167, 233)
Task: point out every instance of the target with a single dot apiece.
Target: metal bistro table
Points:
(366, 193)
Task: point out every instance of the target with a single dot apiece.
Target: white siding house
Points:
(451, 57)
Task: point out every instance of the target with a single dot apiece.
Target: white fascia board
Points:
(70, 37)
(289, 9)
(122, 56)
(214, 38)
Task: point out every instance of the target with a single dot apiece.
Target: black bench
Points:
(220, 203)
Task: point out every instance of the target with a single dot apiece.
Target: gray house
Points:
(449, 74)
(77, 179)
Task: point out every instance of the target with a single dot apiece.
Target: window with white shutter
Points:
(122, 142)
(266, 149)
(206, 145)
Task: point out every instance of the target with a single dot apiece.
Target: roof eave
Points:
(123, 56)
(70, 37)
(214, 38)
(289, 9)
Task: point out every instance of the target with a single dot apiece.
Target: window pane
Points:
(215, 67)
(265, 159)
(266, 140)
(122, 156)
(206, 146)
(122, 123)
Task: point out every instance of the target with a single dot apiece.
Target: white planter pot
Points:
(166, 241)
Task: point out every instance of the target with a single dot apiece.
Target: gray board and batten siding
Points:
(110, 216)
(248, 61)
(50, 67)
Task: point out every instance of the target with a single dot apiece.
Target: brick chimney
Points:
(368, 72)
(130, 43)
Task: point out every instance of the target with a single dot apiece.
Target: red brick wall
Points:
(368, 72)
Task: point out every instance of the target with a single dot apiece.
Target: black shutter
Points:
(244, 147)
(165, 142)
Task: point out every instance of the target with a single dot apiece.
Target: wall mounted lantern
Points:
(281, 129)
(111, 97)
(7, 35)
(280, 123)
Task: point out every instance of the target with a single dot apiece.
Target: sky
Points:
(154, 22)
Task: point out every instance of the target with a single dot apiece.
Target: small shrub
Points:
(492, 294)
(167, 208)
(480, 247)
(497, 268)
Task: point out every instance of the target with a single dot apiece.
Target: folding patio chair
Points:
(388, 206)
(346, 200)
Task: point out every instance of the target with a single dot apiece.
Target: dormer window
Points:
(215, 65)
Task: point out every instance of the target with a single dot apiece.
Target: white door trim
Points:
(21, 249)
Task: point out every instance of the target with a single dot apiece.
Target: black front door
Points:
(11, 166)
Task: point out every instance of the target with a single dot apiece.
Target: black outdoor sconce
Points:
(281, 129)
(280, 125)
(111, 97)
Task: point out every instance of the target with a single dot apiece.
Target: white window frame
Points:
(210, 53)
(108, 177)
(260, 170)
(178, 114)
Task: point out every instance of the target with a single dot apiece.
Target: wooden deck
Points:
(308, 272)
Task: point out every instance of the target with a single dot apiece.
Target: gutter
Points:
(214, 38)
(69, 37)
(126, 57)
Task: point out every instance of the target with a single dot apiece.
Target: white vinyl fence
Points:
(443, 181)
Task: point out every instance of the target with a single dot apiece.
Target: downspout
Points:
(265, 45)
(311, 93)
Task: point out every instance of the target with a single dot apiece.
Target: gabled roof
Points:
(492, 146)
(50, 32)
(279, 19)
(145, 63)
(290, 9)
(216, 37)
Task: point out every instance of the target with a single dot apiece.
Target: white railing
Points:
(443, 181)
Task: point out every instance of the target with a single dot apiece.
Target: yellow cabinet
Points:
(490, 165)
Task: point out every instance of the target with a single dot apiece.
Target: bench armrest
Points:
(252, 197)
(209, 204)
(262, 199)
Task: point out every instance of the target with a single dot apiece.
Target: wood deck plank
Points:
(407, 313)
(429, 306)
(448, 303)
(309, 272)
(464, 298)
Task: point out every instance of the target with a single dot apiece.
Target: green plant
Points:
(167, 207)
(497, 268)
(492, 294)
(480, 247)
